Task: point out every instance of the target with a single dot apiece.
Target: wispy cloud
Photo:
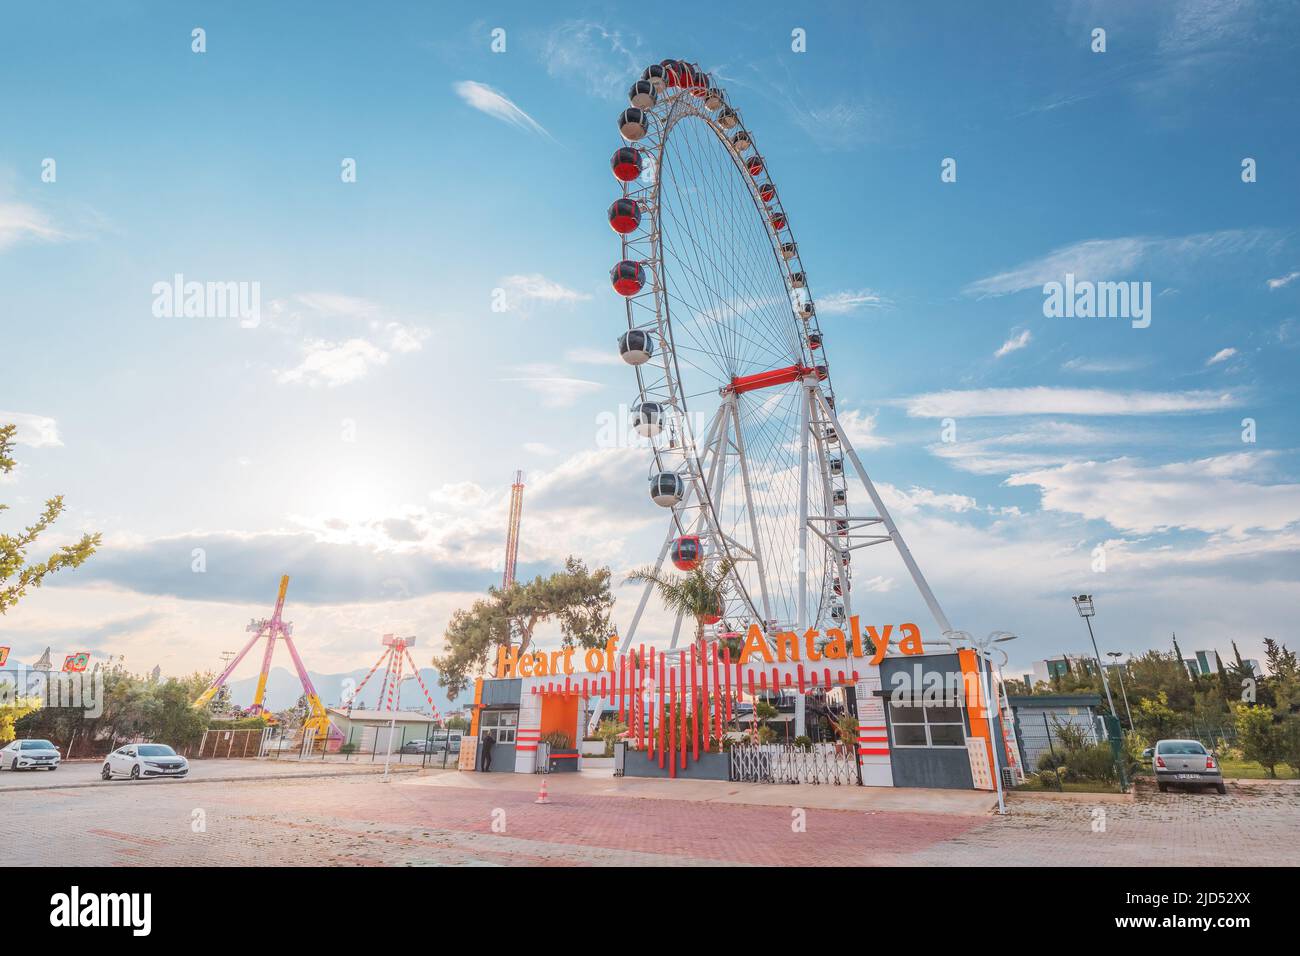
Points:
(603, 62)
(1015, 343)
(1103, 365)
(1221, 356)
(523, 292)
(1282, 281)
(1046, 400)
(333, 363)
(1110, 259)
(555, 389)
(842, 303)
(497, 105)
(19, 222)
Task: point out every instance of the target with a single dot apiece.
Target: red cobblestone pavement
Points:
(362, 821)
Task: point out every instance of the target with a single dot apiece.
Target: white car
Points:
(29, 755)
(144, 760)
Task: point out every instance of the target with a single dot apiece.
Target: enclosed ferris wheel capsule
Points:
(806, 311)
(755, 166)
(667, 488)
(642, 95)
(628, 277)
(648, 418)
(798, 280)
(837, 613)
(831, 435)
(673, 72)
(713, 99)
(636, 346)
(626, 164)
(654, 75)
(728, 118)
(713, 617)
(822, 372)
(687, 552)
(839, 497)
(767, 192)
(741, 140)
(814, 340)
(779, 221)
(699, 82)
(624, 215)
(789, 250)
(632, 124)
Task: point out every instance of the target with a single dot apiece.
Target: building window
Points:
(500, 724)
(923, 724)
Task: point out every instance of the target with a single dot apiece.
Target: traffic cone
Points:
(541, 794)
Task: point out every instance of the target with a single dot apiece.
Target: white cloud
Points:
(19, 221)
(37, 431)
(523, 292)
(1029, 447)
(1014, 344)
(1213, 495)
(842, 303)
(1221, 356)
(1109, 259)
(539, 448)
(495, 104)
(1046, 400)
(333, 363)
(860, 429)
(1283, 281)
(1103, 365)
(556, 389)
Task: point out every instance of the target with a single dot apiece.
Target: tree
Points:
(1154, 716)
(13, 548)
(578, 599)
(697, 594)
(11, 713)
(1260, 737)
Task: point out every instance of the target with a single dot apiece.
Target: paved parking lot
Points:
(437, 819)
(81, 773)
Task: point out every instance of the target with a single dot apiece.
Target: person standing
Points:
(488, 743)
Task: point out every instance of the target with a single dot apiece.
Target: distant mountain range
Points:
(283, 690)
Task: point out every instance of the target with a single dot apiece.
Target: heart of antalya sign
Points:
(871, 642)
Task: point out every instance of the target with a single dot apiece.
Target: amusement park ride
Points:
(317, 723)
(722, 330)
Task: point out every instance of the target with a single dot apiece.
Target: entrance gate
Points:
(778, 763)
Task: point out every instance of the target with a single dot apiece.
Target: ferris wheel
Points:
(734, 392)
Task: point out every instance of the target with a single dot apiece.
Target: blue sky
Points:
(362, 435)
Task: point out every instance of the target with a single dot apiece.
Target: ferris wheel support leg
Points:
(917, 577)
(749, 506)
(803, 510)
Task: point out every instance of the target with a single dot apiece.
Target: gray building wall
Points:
(708, 767)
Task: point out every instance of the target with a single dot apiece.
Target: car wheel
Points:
(135, 772)
(1222, 789)
(53, 767)
(1164, 787)
(106, 773)
(14, 766)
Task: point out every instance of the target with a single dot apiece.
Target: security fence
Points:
(835, 764)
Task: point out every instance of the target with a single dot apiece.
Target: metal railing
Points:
(835, 764)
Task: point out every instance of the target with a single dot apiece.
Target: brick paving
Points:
(363, 821)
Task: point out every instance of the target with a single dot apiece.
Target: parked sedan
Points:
(29, 755)
(1186, 763)
(144, 760)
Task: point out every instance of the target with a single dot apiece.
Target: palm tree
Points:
(697, 593)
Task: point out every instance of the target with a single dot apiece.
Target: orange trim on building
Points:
(979, 725)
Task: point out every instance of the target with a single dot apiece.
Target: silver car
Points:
(1186, 763)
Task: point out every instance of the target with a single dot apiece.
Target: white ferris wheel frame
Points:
(835, 526)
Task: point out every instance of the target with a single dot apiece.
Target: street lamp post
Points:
(1122, 692)
(1083, 604)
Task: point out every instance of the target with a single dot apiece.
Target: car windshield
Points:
(1179, 747)
(37, 745)
(156, 750)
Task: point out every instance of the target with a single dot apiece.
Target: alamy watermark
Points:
(1086, 299)
(208, 300)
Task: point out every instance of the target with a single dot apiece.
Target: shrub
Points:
(558, 740)
(802, 742)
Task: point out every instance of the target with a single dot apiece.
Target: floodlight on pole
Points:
(1123, 693)
(1083, 604)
